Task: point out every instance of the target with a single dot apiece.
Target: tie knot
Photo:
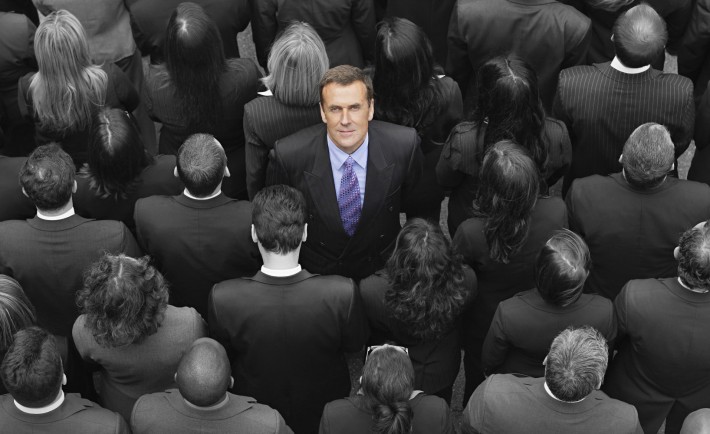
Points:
(349, 161)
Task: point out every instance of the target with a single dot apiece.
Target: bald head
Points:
(697, 422)
(640, 36)
(204, 374)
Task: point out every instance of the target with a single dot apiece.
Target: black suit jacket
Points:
(602, 107)
(197, 243)
(286, 338)
(15, 205)
(394, 164)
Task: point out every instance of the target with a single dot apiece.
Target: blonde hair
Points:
(68, 87)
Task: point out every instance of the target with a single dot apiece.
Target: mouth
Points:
(346, 133)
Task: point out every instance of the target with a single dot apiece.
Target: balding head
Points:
(697, 422)
(640, 36)
(201, 164)
(693, 255)
(648, 156)
(204, 374)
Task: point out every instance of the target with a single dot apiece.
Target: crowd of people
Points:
(193, 241)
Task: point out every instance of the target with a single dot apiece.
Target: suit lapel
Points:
(377, 184)
(322, 188)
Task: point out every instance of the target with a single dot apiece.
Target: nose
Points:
(345, 117)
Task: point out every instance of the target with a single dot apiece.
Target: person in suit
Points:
(549, 35)
(603, 103)
(297, 61)
(355, 174)
(524, 325)
(201, 401)
(36, 403)
(16, 313)
(15, 205)
(700, 164)
(285, 329)
(694, 52)
(567, 399)
(347, 27)
(631, 220)
(663, 363)
(200, 237)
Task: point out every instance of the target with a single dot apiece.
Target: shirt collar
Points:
(549, 392)
(616, 64)
(70, 212)
(212, 196)
(281, 273)
(338, 157)
(213, 407)
(42, 410)
(699, 291)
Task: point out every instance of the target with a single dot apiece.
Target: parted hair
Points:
(16, 311)
(426, 277)
(279, 217)
(640, 36)
(694, 257)
(576, 363)
(562, 268)
(345, 75)
(123, 300)
(648, 156)
(32, 368)
(387, 384)
(297, 61)
(48, 177)
(507, 193)
(201, 162)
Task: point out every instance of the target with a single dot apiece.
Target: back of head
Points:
(345, 75)
(387, 384)
(116, 155)
(562, 268)
(576, 363)
(47, 177)
(508, 190)
(297, 61)
(694, 257)
(648, 156)
(203, 375)
(123, 300)
(279, 218)
(509, 104)
(697, 422)
(32, 368)
(16, 311)
(640, 36)
(201, 162)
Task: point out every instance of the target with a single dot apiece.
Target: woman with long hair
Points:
(16, 313)
(297, 61)
(416, 301)
(410, 90)
(511, 223)
(67, 91)
(127, 327)
(509, 108)
(198, 90)
(387, 402)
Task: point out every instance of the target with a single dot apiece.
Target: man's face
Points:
(346, 112)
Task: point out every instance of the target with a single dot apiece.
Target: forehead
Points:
(343, 96)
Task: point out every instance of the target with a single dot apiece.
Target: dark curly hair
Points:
(426, 278)
(124, 300)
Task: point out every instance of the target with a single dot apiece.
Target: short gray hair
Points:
(297, 62)
(576, 363)
(648, 155)
(609, 5)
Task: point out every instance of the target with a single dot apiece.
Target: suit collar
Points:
(236, 404)
(288, 280)
(609, 71)
(57, 225)
(216, 201)
(72, 404)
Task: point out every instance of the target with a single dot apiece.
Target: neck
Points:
(276, 261)
(218, 404)
(59, 211)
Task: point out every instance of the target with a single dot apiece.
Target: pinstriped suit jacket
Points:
(602, 107)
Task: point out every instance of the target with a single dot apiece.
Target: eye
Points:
(334, 109)
(355, 108)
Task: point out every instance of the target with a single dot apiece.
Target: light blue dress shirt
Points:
(337, 162)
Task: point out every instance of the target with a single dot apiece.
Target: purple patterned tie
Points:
(349, 198)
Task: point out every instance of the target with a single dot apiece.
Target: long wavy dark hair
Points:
(507, 193)
(195, 62)
(509, 103)
(387, 384)
(426, 278)
(404, 75)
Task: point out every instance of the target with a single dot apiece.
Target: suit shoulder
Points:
(678, 80)
(390, 129)
(620, 411)
(101, 419)
(300, 140)
(577, 72)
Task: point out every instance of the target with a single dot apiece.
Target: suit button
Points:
(322, 244)
(391, 208)
(382, 236)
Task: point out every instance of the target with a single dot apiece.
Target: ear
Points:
(226, 172)
(25, 193)
(305, 233)
(253, 234)
(676, 253)
(621, 159)
(672, 166)
(231, 382)
(64, 379)
(175, 377)
(175, 173)
(322, 114)
(371, 112)
(544, 362)
(74, 187)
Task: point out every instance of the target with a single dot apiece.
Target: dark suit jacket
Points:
(197, 243)
(15, 205)
(694, 52)
(347, 27)
(286, 338)
(394, 165)
(631, 234)
(700, 166)
(550, 36)
(664, 362)
(75, 416)
(49, 258)
(602, 107)
(267, 120)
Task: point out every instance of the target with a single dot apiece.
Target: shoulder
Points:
(88, 412)
(393, 134)
(679, 82)
(554, 127)
(578, 72)
(584, 189)
(373, 288)
(182, 315)
(700, 190)
(302, 140)
(241, 68)
(550, 206)
(623, 415)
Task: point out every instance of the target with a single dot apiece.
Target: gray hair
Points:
(297, 62)
(648, 155)
(576, 363)
(609, 5)
(694, 257)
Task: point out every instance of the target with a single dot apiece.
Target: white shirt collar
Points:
(70, 212)
(266, 92)
(616, 64)
(338, 156)
(212, 196)
(549, 392)
(699, 291)
(281, 273)
(42, 410)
